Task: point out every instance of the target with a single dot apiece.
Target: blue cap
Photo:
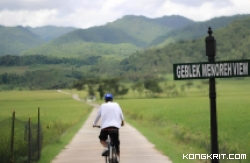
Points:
(108, 96)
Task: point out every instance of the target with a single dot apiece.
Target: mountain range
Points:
(132, 48)
(119, 38)
(232, 43)
(131, 31)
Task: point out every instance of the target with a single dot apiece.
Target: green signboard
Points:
(222, 69)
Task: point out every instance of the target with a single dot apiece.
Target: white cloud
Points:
(197, 3)
(27, 18)
(206, 10)
(240, 7)
(87, 13)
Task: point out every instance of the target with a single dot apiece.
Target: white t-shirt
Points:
(110, 114)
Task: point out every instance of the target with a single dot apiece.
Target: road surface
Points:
(85, 146)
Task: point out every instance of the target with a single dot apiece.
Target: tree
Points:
(139, 87)
(100, 90)
(90, 89)
(122, 90)
(5, 78)
(152, 85)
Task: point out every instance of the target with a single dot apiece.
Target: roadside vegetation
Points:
(58, 129)
(181, 125)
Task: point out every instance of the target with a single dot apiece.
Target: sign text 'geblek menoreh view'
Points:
(223, 69)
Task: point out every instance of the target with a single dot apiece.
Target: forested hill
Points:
(103, 34)
(121, 37)
(146, 29)
(48, 33)
(233, 42)
(14, 40)
(136, 30)
(195, 30)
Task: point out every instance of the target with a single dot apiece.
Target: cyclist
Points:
(112, 119)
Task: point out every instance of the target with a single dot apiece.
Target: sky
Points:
(89, 13)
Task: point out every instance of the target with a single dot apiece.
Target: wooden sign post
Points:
(212, 70)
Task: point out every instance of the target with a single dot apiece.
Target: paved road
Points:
(85, 146)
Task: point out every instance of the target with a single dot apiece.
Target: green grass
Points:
(181, 125)
(61, 116)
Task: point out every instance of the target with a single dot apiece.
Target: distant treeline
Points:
(39, 79)
(13, 60)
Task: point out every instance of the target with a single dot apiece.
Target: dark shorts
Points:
(104, 136)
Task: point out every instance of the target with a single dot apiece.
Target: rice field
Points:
(59, 113)
(181, 125)
(176, 125)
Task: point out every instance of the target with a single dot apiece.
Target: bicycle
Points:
(111, 155)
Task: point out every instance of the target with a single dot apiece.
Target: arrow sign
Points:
(223, 69)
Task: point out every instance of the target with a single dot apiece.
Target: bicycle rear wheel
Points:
(106, 159)
(114, 157)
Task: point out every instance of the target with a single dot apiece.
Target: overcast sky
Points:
(88, 13)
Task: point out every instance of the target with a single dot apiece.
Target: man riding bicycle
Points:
(112, 119)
